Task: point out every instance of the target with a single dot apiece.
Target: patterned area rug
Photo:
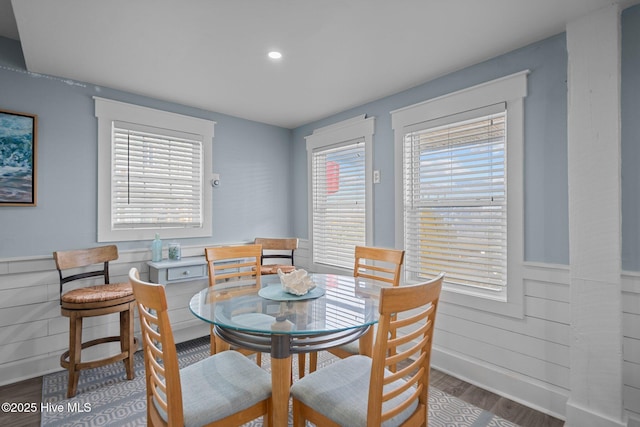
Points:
(106, 398)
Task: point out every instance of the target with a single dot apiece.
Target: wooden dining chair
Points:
(225, 389)
(277, 249)
(363, 391)
(380, 264)
(90, 301)
(232, 269)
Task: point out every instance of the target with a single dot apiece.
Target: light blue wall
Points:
(631, 139)
(546, 205)
(270, 163)
(252, 158)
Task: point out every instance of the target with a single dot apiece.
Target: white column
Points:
(593, 44)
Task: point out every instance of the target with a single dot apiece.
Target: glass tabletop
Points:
(338, 303)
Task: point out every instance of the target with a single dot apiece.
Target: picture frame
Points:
(18, 158)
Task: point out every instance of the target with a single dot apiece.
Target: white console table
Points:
(182, 279)
(175, 271)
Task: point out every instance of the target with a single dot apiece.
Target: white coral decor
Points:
(297, 282)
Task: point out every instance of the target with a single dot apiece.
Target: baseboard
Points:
(579, 416)
(25, 369)
(540, 396)
(190, 333)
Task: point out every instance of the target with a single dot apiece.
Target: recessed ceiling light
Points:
(275, 54)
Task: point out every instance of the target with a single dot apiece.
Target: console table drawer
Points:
(186, 272)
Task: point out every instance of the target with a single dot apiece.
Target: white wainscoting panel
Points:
(33, 333)
(631, 345)
(526, 360)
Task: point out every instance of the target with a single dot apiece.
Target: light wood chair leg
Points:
(213, 340)
(298, 419)
(267, 419)
(365, 344)
(302, 361)
(221, 345)
(313, 361)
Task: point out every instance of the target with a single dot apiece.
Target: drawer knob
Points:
(185, 273)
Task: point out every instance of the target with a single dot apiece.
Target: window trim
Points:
(511, 90)
(107, 111)
(355, 128)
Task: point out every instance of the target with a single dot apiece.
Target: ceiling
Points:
(212, 54)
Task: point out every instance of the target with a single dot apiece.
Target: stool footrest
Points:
(64, 358)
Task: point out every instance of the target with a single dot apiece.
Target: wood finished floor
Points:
(30, 391)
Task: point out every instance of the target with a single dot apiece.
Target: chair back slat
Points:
(378, 264)
(411, 308)
(161, 360)
(234, 263)
(401, 407)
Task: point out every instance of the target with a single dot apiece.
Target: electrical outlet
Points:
(376, 176)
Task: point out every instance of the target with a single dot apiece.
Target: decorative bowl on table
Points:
(297, 282)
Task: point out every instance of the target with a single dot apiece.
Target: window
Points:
(455, 206)
(460, 181)
(157, 178)
(340, 202)
(152, 168)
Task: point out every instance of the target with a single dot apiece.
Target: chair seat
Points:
(341, 392)
(219, 386)
(273, 268)
(353, 347)
(113, 292)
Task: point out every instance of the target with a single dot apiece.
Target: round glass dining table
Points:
(264, 318)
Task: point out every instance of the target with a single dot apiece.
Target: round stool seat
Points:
(273, 268)
(99, 295)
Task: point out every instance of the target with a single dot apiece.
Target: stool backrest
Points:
(66, 260)
(277, 248)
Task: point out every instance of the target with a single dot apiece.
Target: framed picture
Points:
(18, 143)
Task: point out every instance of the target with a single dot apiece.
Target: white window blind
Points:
(455, 199)
(156, 179)
(339, 212)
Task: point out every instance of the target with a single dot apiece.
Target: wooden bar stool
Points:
(276, 249)
(90, 301)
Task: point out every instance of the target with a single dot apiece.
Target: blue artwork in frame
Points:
(18, 138)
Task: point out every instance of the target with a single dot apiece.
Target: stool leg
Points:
(75, 350)
(126, 339)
